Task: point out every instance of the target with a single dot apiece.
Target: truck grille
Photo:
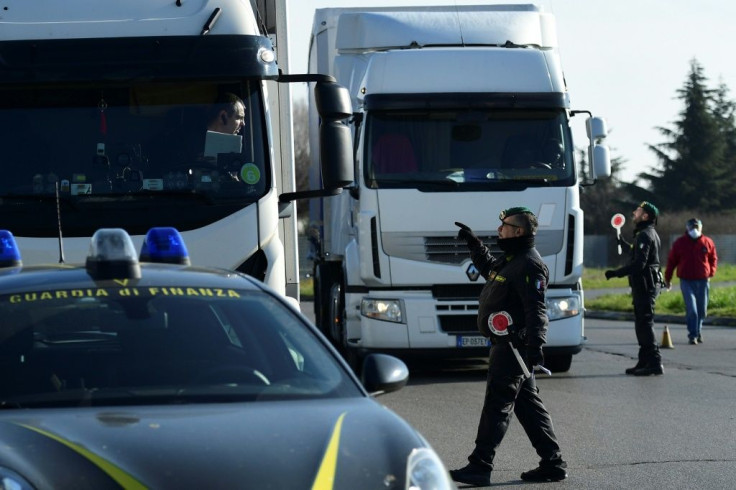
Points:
(448, 249)
(456, 291)
(458, 317)
(451, 250)
(459, 324)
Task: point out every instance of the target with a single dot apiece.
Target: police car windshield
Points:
(117, 345)
(128, 146)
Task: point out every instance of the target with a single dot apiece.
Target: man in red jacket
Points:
(694, 256)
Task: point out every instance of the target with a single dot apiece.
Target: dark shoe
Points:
(692, 342)
(656, 370)
(472, 474)
(700, 339)
(545, 473)
(631, 370)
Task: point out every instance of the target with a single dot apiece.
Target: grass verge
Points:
(722, 301)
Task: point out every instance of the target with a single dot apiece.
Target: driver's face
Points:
(236, 122)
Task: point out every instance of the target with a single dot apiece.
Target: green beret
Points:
(650, 208)
(512, 211)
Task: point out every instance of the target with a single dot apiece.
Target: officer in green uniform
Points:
(512, 313)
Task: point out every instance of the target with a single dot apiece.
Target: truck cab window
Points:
(132, 145)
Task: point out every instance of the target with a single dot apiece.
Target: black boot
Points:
(472, 474)
(650, 369)
(545, 473)
(639, 365)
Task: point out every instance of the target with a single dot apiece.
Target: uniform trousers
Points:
(507, 393)
(643, 301)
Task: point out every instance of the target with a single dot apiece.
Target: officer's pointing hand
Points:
(467, 234)
(610, 274)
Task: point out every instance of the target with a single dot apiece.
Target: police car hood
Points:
(354, 443)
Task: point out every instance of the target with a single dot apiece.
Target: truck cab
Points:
(458, 113)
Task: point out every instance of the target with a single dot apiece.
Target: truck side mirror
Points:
(335, 145)
(601, 161)
(598, 153)
(596, 128)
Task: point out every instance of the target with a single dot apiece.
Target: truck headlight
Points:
(388, 310)
(563, 307)
(425, 470)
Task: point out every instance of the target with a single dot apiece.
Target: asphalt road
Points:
(616, 431)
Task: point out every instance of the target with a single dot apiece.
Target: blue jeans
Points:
(695, 293)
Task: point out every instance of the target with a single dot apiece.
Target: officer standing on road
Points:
(513, 314)
(644, 279)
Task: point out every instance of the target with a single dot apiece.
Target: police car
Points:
(128, 372)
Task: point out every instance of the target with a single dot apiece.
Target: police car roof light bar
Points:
(164, 245)
(9, 252)
(112, 255)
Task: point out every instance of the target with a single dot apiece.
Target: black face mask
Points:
(515, 244)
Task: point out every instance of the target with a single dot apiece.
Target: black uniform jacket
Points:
(643, 267)
(516, 283)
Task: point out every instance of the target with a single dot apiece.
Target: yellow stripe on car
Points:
(124, 479)
(326, 475)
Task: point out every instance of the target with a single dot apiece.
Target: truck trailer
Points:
(459, 112)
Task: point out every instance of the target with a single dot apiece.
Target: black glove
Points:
(467, 234)
(534, 356)
(623, 243)
(610, 274)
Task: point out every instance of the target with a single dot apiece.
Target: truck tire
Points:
(318, 295)
(559, 363)
(336, 314)
(337, 332)
(325, 276)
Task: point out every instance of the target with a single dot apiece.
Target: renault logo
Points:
(472, 272)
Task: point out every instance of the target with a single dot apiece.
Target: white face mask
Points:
(694, 233)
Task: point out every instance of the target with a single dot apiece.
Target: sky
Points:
(623, 60)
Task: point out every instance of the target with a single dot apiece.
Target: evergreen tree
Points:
(692, 173)
(725, 113)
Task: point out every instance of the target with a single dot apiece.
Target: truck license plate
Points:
(472, 341)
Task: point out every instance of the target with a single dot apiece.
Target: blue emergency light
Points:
(164, 245)
(9, 252)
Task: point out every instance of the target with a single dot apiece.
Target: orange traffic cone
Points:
(666, 340)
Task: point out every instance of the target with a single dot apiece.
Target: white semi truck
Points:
(103, 123)
(459, 112)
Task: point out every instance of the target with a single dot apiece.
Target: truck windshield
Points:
(468, 150)
(133, 150)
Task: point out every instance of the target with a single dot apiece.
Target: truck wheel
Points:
(325, 276)
(338, 333)
(354, 360)
(559, 363)
(318, 296)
